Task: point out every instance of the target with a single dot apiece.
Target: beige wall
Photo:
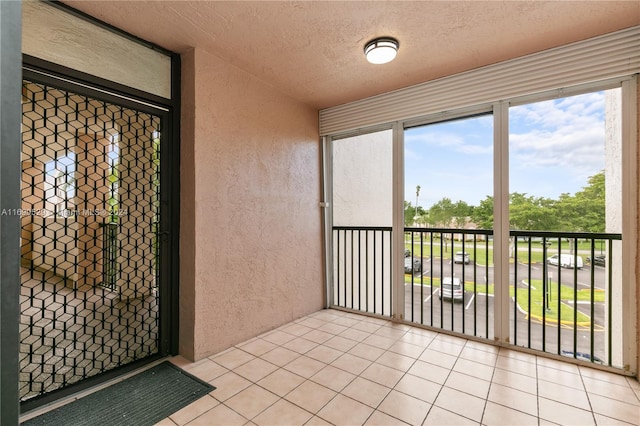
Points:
(250, 215)
(638, 245)
(54, 35)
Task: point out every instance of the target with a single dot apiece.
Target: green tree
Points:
(590, 205)
(584, 211)
(482, 214)
(409, 213)
(413, 215)
(531, 213)
(442, 212)
(461, 211)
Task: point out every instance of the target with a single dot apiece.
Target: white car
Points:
(461, 257)
(451, 289)
(566, 261)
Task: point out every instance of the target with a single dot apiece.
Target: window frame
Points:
(500, 111)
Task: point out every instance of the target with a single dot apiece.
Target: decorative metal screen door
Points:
(89, 237)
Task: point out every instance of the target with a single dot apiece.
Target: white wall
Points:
(363, 180)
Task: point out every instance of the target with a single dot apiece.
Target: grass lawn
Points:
(440, 249)
(566, 313)
(566, 245)
(437, 251)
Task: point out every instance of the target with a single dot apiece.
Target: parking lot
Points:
(474, 314)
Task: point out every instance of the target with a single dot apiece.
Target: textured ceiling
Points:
(312, 50)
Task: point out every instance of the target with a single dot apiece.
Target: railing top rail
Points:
(555, 234)
(513, 232)
(362, 228)
(451, 230)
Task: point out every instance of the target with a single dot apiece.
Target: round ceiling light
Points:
(381, 50)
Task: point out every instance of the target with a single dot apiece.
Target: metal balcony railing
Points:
(564, 293)
(564, 288)
(452, 289)
(362, 269)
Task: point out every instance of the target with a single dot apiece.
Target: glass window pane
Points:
(448, 215)
(564, 178)
(362, 220)
(363, 179)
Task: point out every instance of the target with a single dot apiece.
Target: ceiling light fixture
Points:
(381, 50)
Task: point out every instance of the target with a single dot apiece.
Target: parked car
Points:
(582, 356)
(451, 289)
(566, 261)
(600, 260)
(412, 266)
(461, 257)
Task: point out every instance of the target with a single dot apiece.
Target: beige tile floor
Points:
(334, 367)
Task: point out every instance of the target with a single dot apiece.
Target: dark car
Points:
(600, 260)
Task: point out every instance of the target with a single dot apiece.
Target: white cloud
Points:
(457, 142)
(566, 133)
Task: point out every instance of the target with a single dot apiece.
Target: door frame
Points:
(168, 110)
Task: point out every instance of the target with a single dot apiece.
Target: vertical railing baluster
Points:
(575, 310)
(359, 270)
(382, 274)
(486, 289)
(475, 285)
(412, 263)
(544, 293)
(452, 275)
(345, 269)
(609, 297)
(366, 271)
(338, 266)
(352, 269)
(375, 270)
(441, 280)
(575, 270)
(515, 291)
(421, 277)
(591, 320)
(390, 274)
(431, 278)
(530, 259)
(463, 277)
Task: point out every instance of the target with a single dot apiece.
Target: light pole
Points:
(415, 216)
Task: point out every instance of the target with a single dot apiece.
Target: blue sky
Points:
(554, 146)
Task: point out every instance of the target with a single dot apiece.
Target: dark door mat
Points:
(143, 399)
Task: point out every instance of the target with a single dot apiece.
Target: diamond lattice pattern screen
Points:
(88, 247)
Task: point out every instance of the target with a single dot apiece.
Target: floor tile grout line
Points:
(393, 388)
(386, 334)
(443, 385)
(486, 400)
(360, 376)
(309, 379)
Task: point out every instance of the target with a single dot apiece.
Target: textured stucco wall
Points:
(62, 38)
(638, 245)
(254, 218)
(187, 207)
